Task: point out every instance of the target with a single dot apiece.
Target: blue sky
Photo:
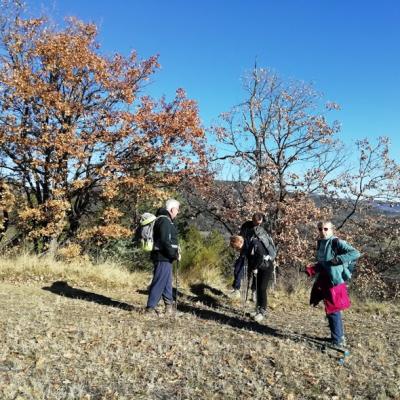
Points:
(349, 50)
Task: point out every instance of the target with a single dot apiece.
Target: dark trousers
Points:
(238, 269)
(336, 327)
(161, 285)
(263, 280)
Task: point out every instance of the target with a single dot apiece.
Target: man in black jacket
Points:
(250, 230)
(164, 252)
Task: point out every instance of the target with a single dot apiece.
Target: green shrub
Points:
(123, 252)
(205, 257)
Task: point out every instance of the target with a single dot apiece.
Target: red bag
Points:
(337, 299)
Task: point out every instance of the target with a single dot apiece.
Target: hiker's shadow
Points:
(311, 338)
(233, 318)
(63, 289)
(200, 291)
(200, 295)
(230, 320)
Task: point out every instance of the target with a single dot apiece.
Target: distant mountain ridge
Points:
(387, 208)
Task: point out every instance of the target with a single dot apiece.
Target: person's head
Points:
(258, 218)
(325, 229)
(236, 242)
(172, 207)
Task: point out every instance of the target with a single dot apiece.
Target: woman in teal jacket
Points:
(334, 268)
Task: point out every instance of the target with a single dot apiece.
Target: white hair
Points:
(171, 203)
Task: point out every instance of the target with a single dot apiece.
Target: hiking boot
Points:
(341, 343)
(150, 311)
(169, 309)
(235, 294)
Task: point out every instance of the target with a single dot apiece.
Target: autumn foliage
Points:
(286, 160)
(75, 130)
(83, 150)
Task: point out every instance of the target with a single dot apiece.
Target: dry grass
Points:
(59, 347)
(28, 268)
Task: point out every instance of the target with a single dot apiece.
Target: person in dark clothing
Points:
(249, 230)
(261, 266)
(247, 233)
(164, 252)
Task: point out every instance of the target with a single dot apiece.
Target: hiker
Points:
(332, 270)
(164, 252)
(261, 266)
(248, 231)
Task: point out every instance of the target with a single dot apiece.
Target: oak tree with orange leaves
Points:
(75, 129)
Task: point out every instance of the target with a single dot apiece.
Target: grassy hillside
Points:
(87, 338)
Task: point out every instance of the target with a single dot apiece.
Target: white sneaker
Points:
(259, 317)
(235, 293)
(254, 313)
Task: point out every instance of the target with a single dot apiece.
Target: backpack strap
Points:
(335, 245)
(262, 235)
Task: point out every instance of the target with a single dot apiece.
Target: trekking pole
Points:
(256, 290)
(245, 287)
(176, 285)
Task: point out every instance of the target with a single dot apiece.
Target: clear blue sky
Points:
(349, 49)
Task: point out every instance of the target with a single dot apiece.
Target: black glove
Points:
(335, 261)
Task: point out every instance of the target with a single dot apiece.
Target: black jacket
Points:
(251, 232)
(247, 232)
(255, 255)
(165, 238)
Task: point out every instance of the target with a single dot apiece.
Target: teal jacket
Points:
(345, 255)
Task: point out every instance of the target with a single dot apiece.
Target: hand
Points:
(335, 261)
(255, 271)
(267, 258)
(310, 270)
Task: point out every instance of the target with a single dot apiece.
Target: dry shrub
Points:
(70, 252)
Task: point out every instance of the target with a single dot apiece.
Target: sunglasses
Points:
(323, 229)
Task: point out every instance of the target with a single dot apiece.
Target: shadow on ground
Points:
(244, 322)
(230, 320)
(63, 289)
(203, 293)
(213, 313)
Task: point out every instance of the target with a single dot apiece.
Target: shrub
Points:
(205, 257)
(120, 251)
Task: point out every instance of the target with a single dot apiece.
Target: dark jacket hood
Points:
(163, 211)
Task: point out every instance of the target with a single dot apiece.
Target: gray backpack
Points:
(146, 226)
(266, 240)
